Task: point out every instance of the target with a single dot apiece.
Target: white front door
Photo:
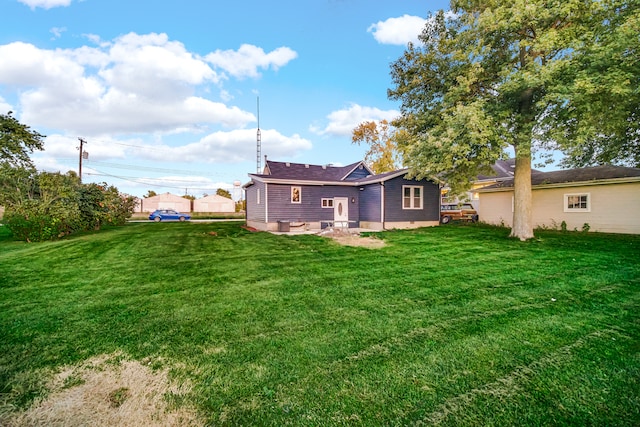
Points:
(341, 212)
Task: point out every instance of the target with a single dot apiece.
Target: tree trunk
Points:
(522, 198)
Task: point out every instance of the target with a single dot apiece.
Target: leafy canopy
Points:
(524, 74)
(382, 155)
(224, 193)
(594, 114)
(44, 205)
(17, 141)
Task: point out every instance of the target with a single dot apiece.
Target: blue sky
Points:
(165, 93)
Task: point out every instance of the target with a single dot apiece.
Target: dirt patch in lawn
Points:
(108, 391)
(353, 239)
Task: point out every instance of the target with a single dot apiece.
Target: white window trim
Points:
(328, 204)
(566, 202)
(293, 189)
(412, 187)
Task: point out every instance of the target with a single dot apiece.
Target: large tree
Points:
(595, 107)
(17, 141)
(491, 75)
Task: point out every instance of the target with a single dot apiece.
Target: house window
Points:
(258, 197)
(327, 203)
(577, 202)
(296, 195)
(411, 197)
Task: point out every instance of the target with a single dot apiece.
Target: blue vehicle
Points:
(168, 215)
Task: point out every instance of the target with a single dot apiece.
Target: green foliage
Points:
(518, 73)
(30, 225)
(224, 193)
(594, 109)
(16, 184)
(17, 141)
(44, 206)
(382, 155)
(58, 205)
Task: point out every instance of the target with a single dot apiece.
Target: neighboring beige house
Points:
(606, 198)
(214, 203)
(502, 170)
(166, 201)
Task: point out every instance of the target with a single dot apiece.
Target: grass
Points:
(454, 325)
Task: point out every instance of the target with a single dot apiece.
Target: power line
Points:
(149, 182)
(152, 169)
(144, 168)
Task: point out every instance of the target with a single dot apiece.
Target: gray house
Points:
(294, 195)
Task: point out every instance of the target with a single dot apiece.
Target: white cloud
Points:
(45, 4)
(246, 61)
(400, 31)
(342, 122)
(229, 147)
(138, 83)
(218, 147)
(129, 98)
(57, 32)
(63, 146)
(155, 62)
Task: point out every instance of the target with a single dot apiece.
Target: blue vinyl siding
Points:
(370, 197)
(255, 211)
(310, 208)
(357, 174)
(393, 201)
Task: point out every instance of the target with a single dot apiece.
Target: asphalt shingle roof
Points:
(596, 173)
(307, 172)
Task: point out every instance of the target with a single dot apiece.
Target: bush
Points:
(59, 205)
(32, 228)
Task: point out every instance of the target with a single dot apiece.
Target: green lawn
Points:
(452, 325)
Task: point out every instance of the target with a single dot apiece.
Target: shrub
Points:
(32, 228)
(59, 205)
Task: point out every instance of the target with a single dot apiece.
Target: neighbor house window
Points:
(411, 197)
(258, 197)
(327, 203)
(296, 195)
(577, 202)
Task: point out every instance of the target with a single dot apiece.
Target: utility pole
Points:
(82, 155)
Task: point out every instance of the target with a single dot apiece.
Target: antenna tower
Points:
(258, 142)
